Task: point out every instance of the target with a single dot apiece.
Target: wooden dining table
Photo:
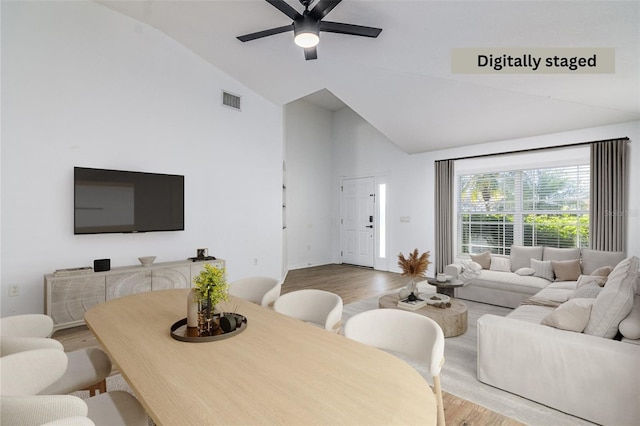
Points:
(279, 370)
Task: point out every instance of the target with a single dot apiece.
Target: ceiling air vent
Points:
(230, 100)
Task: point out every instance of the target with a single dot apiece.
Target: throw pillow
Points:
(590, 279)
(483, 259)
(586, 291)
(566, 270)
(525, 272)
(502, 264)
(552, 253)
(542, 269)
(615, 301)
(521, 256)
(572, 315)
(630, 326)
(602, 271)
(594, 259)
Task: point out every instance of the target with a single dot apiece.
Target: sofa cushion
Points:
(602, 271)
(630, 326)
(566, 270)
(521, 256)
(594, 259)
(615, 300)
(552, 253)
(572, 315)
(500, 263)
(483, 259)
(587, 291)
(555, 296)
(509, 281)
(542, 269)
(525, 272)
(530, 313)
(591, 279)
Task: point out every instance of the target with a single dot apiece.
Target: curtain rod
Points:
(520, 151)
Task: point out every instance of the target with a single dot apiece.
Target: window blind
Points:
(542, 206)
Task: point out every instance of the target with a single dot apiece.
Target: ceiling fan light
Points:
(306, 39)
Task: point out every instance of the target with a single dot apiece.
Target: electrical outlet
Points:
(14, 290)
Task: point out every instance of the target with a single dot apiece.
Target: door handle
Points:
(369, 226)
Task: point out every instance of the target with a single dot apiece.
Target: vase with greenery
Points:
(210, 288)
(414, 267)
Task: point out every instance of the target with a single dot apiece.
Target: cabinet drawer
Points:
(124, 284)
(72, 297)
(167, 278)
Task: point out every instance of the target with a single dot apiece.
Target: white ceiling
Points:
(402, 83)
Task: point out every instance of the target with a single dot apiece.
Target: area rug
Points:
(458, 375)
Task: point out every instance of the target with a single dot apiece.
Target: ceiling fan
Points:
(306, 27)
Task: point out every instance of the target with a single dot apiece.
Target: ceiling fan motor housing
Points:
(306, 24)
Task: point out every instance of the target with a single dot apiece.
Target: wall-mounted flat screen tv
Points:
(108, 201)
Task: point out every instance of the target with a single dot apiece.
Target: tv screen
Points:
(107, 201)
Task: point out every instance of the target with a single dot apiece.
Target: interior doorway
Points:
(357, 221)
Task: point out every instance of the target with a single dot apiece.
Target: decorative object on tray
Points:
(414, 267)
(211, 288)
(192, 309)
(147, 260)
(432, 299)
(443, 278)
(180, 330)
(439, 300)
(412, 304)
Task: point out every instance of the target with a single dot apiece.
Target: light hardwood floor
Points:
(352, 283)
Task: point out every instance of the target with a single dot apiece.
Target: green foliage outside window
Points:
(529, 207)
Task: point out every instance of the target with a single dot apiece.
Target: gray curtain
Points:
(444, 181)
(607, 224)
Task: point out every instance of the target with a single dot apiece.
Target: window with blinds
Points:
(543, 206)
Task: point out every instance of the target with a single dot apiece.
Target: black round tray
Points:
(180, 331)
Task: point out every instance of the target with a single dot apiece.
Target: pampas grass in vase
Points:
(414, 266)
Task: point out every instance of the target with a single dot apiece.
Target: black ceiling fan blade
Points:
(323, 7)
(285, 8)
(359, 30)
(310, 53)
(265, 33)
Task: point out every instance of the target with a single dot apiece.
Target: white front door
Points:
(358, 199)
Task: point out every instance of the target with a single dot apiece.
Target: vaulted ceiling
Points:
(401, 82)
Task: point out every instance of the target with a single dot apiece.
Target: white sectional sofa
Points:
(501, 281)
(574, 345)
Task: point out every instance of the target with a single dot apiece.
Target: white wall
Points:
(308, 142)
(359, 151)
(85, 86)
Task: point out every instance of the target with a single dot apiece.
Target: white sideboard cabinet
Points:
(67, 298)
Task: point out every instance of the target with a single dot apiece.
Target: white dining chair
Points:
(26, 325)
(260, 290)
(408, 333)
(318, 307)
(87, 368)
(25, 374)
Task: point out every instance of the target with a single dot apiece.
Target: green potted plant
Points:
(211, 288)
